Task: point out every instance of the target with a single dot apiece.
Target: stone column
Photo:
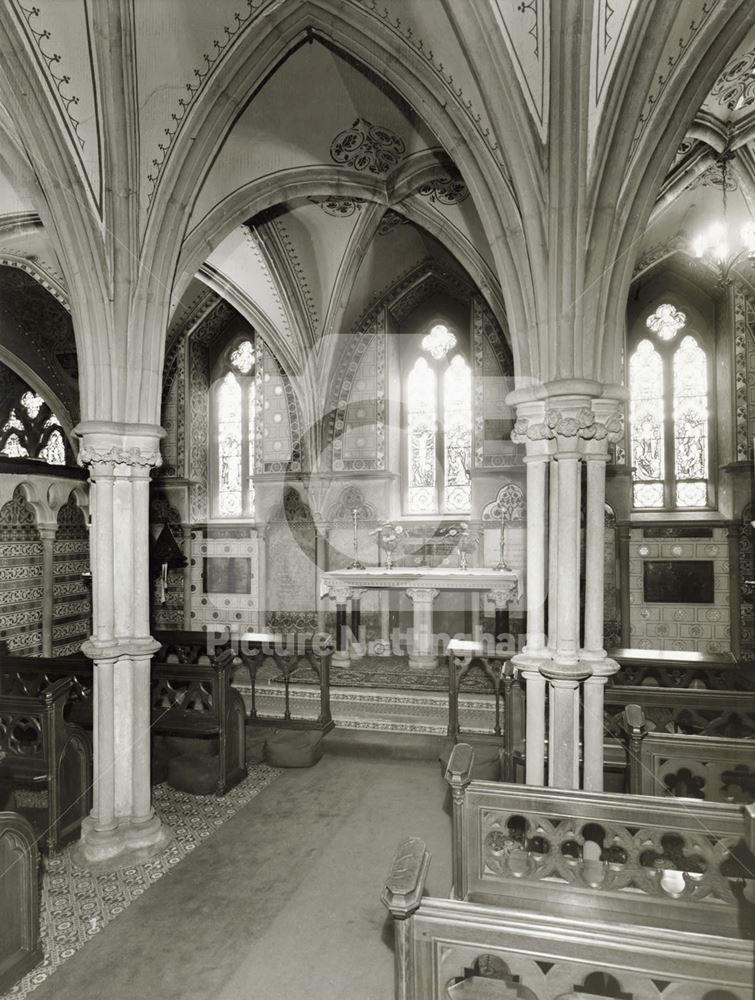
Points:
(535, 728)
(122, 828)
(47, 533)
(532, 430)
(341, 593)
(501, 596)
(423, 655)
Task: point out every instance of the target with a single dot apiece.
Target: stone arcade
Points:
(395, 322)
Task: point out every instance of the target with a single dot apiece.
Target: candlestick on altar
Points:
(355, 563)
(502, 565)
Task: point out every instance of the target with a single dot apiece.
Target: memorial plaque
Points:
(227, 575)
(678, 581)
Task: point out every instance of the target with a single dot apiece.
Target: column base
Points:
(341, 659)
(131, 842)
(422, 661)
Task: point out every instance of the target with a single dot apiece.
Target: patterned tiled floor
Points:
(76, 905)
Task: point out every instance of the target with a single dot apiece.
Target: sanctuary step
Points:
(376, 709)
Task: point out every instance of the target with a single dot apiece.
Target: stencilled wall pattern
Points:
(358, 421)
(224, 573)
(20, 577)
(744, 373)
(277, 422)
(71, 597)
(687, 627)
(493, 378)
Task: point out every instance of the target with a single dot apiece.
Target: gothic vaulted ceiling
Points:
(298, 156)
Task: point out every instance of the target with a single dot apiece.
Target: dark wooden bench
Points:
(305, 652)
(39, 749)
(566, 894)
(191, 695)
(20, 945)
(196, 700)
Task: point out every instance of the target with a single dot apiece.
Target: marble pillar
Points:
(423, 655)
(122, 828)
(567, 425)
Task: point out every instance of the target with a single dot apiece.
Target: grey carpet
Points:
(283, 902)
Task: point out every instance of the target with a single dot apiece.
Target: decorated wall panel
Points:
(493, 379)
(682, 625)
(224, 571)
(744, 374)
(20, 577)
(71, 597)
(278, 431)
(358, 424)
(292, 598)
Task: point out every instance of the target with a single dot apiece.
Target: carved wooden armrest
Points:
(405, 883)
(459, 769)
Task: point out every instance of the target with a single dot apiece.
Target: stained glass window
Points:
(234, 433)
(29, 429)
(457, 427)
(646, 425)
(668, 417)
(421, 431)
(439, 435)
(690, 424)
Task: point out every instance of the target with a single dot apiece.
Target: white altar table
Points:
(422, 585)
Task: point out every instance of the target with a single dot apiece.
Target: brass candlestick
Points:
(502, 566)
(355, 563)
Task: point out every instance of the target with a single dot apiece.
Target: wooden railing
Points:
(290, 655)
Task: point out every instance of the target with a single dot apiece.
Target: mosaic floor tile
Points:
(76, 905)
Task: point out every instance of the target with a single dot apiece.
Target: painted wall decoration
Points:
(72, 607)
(744, 373)
(20, 577)
(292, 597)
(358, 422)
(493, 379)
(277, 420)
(217, 609)
(364, 146)
(701, 627)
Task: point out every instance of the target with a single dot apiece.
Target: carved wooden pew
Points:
(710, 768)
(195, 699)
(191, 694)
(668, 669)
(291, 654)
(29, 676)
(561, 894)
(20, 946)
(40, 748)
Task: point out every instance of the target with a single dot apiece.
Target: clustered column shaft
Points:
(565, 427)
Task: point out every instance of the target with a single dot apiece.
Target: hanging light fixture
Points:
(718, 245)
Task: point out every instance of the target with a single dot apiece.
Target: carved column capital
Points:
(504, 593)
(422, 595)
(119, 449)
(340, 592)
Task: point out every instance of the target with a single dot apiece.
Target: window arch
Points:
(669, 416)
(31, 430)
(439, 429)
(234, 393)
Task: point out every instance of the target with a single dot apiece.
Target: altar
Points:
(421, 585)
